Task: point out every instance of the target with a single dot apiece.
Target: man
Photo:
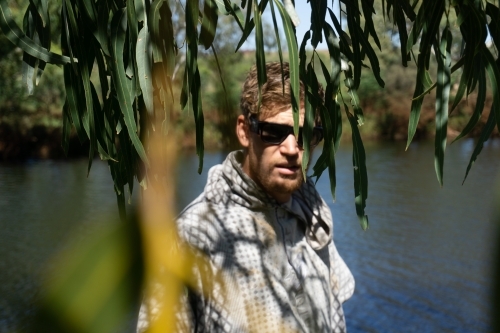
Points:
(266, 233)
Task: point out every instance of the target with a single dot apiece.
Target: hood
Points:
(228, 184)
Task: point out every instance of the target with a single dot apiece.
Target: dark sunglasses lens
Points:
(317, 136)
(272, 133)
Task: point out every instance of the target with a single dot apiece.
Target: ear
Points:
(242, 131)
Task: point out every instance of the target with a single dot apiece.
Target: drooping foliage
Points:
(135, 46)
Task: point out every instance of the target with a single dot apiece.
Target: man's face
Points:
(276, 168)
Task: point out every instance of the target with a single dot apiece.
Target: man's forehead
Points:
(284, 113)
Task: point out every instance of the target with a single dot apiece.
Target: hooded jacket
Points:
(271, 267)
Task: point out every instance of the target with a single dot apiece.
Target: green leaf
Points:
(360, 173)
(154, 28)
(259, 50)
(332, 42)
(209, 23)
(100, 129)
(371, 56)
(169, 52)
(358, 111)
(311, 104)
(233, 10)
(249, 25)
(318, 13)
(352, 23)
(293, 54)
(144, 67)
(443, 58)
(101, 34)
(198, 117)
(478, 109)
(344, 38)
(118, 31)
(416, 104)
(73, 102)
(483, 137)
(18, 38)
(43, 10)
(368, 10)
(494, 76)
(277, 34)
(108, 261)
(66, 130)
(133, 28)
(90, 10)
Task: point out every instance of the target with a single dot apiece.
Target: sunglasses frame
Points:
(256, 126)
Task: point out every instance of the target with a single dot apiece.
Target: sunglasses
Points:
(275, 134)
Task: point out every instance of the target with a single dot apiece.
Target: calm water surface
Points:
(423, 266)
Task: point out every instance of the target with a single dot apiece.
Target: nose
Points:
(289, 146)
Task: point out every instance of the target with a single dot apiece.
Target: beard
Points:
(272, 182)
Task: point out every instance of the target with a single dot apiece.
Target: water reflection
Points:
(424, 264)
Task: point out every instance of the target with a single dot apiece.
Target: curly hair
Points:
(274, 99)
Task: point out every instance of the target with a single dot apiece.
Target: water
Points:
(424, 264)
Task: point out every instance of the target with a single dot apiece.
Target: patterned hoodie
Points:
(272, 267)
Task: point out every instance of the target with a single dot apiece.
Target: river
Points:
(424, 264)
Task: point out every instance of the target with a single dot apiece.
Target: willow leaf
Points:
(66, 129)
(318, 13)
(311, 105)
(332, 43)
(83, 65)
(209, 23)
(154, 28)
(100, 129)
(249, 25)
(368, 11)
(277, 35)
(90, 10)
(494, 77)
(144, 67)
(483, 137)
(29, 62)
(42, 9)
(416, 104)
(118, 31)
(221, 77)
(345, 41)
(259, 50)
(356, 51)
(103, 76)
(322, 162)
(403, 35)
(13, 33)
(457, 65)
(169, 51)
(478, 109)
(371, 56)
(494, 26)
(293, 54)
(443, 57)
(307, 149)
(73, 103)
(133, 28)
(233, 10)
(352, 91)
(65, 35)
(198, 118)
(303, 54)
(360, 173)
(101, 34)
